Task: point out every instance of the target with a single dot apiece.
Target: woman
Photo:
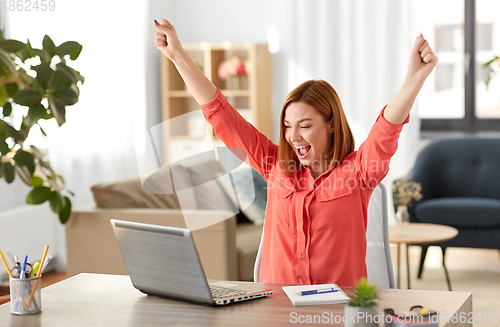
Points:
(318, 186)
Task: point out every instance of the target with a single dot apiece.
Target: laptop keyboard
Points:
(220, 292)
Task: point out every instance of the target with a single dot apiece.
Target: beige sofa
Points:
(227, 249)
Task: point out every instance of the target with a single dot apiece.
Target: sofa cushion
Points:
(130, 194)
(460, 212)
(208, 193)
(251, 189)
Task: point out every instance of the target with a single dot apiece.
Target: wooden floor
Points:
(456, 258)
(53, 277)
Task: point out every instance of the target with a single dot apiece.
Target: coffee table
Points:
(418, 234)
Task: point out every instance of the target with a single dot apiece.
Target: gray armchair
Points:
(461, 188)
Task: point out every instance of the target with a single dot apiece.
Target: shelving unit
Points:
(252, 97)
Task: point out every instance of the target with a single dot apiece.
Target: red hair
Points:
(323, 97)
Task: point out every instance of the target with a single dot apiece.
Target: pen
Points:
(321, 291)
(23, 270)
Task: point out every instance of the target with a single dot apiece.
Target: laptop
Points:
(163, 261)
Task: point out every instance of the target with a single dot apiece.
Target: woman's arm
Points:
(422, 62)
(228, 124)
(167, 41)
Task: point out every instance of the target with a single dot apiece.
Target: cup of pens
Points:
(25, 283)
(25, 295)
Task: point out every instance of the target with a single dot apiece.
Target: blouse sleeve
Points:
(374, 154)
(236, 132)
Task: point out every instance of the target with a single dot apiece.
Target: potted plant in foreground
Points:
(363, 301)
(35, 84)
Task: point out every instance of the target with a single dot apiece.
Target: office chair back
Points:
(378, 254)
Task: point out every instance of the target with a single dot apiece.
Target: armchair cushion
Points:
(460, 212)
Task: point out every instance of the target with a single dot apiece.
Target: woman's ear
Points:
(330, 126)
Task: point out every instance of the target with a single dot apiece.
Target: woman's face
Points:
(308, 134)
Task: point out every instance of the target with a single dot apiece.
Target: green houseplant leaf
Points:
(48, 45)
(59, 81)
(66, 95)
(38, 195)
(68, 71)
(58, 109)
(43, 74)
(24, 174)
(8, 172)
(36, 181)
(56, 202)
(26, 159)
(66, 211)
(11, 88)
(7, 109)
(27, 97)
(34, 114)
(26, 53)
(12, 45)
(71, 47)
(7, 67)
(4, 148)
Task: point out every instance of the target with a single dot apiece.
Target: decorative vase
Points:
(361, 317)
(236, 82)
(402, 220)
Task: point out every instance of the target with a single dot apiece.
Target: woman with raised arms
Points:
(318, 186)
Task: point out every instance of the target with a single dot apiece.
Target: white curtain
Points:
(361, 47)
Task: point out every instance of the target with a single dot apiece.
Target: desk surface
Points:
(111, 300)
(420, 233)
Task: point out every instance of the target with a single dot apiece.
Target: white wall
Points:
(12, 195)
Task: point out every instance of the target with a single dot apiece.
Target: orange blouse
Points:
(315, 230)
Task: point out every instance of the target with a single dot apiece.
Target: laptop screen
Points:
(162, 260)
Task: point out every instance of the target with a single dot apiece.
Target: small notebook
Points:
(325, 298)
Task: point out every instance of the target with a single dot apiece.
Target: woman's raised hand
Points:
(167, 40)
(422, 60)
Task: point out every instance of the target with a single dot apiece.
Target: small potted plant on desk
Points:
(362, 309)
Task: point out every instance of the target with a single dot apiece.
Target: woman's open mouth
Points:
(303, 151)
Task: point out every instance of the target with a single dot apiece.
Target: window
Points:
(456, 97)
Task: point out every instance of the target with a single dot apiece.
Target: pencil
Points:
(10, 275)
(38, 273)
(6, 265)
